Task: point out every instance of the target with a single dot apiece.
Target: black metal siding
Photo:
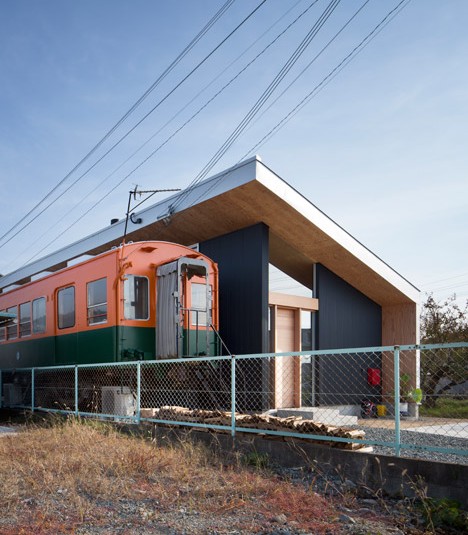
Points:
(346, 319)
(242, 258)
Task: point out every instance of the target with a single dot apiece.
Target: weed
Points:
(438, 513)
(260, 461)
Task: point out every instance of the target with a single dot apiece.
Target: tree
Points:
(442, 369)
(444, 323)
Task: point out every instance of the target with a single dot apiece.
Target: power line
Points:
(54, 226)
(446, 279)
(160, 78)
(262, 100)
(141, 120)
(450, 286)
(331, 75)
(313, 60)
(334, 72)
(288, 27)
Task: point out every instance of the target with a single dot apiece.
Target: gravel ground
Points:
(419, 439)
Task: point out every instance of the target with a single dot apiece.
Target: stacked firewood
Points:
(295, 424)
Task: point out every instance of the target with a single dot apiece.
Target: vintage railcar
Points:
(139, 301)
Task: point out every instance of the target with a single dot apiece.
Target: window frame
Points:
(89, 307)
(59, 314)
(125, 285)
(21, 323)
(203, 313)
(12, 310)
(3, 335)
(34, 319)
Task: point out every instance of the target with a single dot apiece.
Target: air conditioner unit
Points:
(117, 400)
(12, 395)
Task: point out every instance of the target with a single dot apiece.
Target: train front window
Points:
(12, 330)
(25, 319)
(97, 302)
(199, 304)
(39, 315)
(66, 307)
(136, 298)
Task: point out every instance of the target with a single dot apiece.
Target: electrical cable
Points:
(139, 122)
(261, 101)
(370, 36)
(160, 78)
(366, 41)
(445, 279)
(331, 75)
(279, 35)
(312, 61)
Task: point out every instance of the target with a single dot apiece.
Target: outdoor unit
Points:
(12, 395)
(118, 401)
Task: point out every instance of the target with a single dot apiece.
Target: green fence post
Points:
(32, 389)
(233, 395)
(76, 391)
(138, 397)
(396, 365)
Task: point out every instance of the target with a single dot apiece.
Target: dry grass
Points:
(75, 475)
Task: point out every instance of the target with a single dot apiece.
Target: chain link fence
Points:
(410, 399)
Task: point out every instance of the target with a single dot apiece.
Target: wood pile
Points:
(295, 424)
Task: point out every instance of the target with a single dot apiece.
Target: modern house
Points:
(247, 218)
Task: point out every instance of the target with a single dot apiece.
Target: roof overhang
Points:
(244, 195)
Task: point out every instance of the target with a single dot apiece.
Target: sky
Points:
(381, 148)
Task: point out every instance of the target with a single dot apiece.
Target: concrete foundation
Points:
(395, 476)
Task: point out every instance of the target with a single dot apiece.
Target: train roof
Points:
(241, 196)
(146, 246)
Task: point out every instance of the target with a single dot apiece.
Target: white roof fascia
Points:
(308, 210)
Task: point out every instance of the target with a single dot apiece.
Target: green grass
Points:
(446, 408)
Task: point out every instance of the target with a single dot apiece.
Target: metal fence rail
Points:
(412, 398)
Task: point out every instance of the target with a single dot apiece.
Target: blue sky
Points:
(382, 149)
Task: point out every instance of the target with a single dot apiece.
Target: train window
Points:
(136, 298)
(12, 330)
(97, 301)
(199, 303)
(2, 330)
(66, 307)
(25, 319)
(39, 315)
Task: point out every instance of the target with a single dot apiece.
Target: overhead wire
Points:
(445, 279)
(334, 72)
(313, 60)
(261, 100)
(331, 75)
(341, 64)
(150, 89)
(203, 61)
(159, 147)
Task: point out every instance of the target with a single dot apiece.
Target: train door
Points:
(183, 309)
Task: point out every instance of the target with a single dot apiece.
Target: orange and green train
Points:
(140, 301)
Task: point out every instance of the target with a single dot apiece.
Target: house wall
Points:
(243, 258)
(400, 327)
(346, 319)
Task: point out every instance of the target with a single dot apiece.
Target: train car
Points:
(140, 301)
